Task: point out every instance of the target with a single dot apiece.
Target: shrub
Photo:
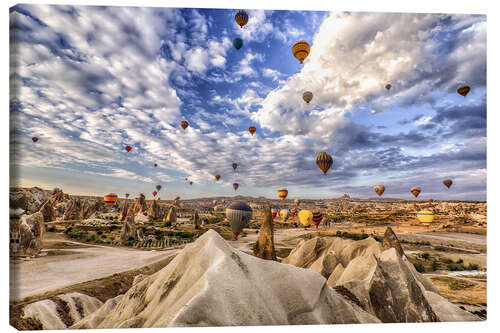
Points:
(472, 267)
(425, 255)
(439, 248)
(99, 232)
(460, 261)
(435, 265)
(455, 267)
(419, 267)
(128, 243)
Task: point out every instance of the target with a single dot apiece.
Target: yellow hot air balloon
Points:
(379, 189)
(425, 216)
(296, 202)
(301, 50)
(305, 217)
(282, 193)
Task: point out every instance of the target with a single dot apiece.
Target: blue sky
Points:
(87, 81)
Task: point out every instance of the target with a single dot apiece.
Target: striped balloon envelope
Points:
(317, 218)
(324, 161)
(301, 50)
(241, 18)
(238, 215)
(425, 216)
(282, 193)
(110, 199)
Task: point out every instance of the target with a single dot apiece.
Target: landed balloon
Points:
(158, 187)
(184, 124)
(235, 186)
(238, 43)
(388, 86)
(252, 129)
(379, 189)
(274, 212)
(293, 212)
(300, 50)
(305, 217)
(241, 18)
(307, 96)
(415, 191)
(214, 202)
(282, 193)
(238, 214)
(217, 177)
(317, 218)
(110, 199)
(463, 90)
(34, 139)
(296, 202)
(324, 162)
(447, 183)
(235, 166)
(284, 213)
(425, 216)
(128, 148)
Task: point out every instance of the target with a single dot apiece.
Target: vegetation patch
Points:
(454, 284)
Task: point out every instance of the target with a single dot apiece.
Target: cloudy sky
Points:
(88, 81)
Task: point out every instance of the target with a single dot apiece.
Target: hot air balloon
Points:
(214, 202)
(388, 86)
(155, 165)
(317, 217)
(252, 129)
(282, 193)
(274, 212)
(237, 43)
(154, 193)
(217, 177)
(190, 183)
(379, 189)
(241, 18)
(463, 90)
(34, 139)
(425, 216)
(296, 202)
(158, 187)
(301, 50)
(127, 195)
(284, 213)
(185, 179)
(447, 183)
(293, 212)
(128, 148)
(110, 199)
(184, 124)
(307, 96)
(305, 217)
(235, 166)
(238, 214)
(415, 191)
(235, 186)
(324, 161)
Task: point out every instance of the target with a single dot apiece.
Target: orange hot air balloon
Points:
(463, 90)
(184, 124)
(282, 193)
(217, 177)
(235, 186)
(128, 148)
(324, 161)
(252, 129)
(447, 183)
(379, 189)
(415, 191)
(241, 18)
(301, 50)
(110, 199)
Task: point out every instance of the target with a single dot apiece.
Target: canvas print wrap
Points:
(237, 167)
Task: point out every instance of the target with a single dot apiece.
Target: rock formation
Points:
(48, 207)
(171, 218)
(28, 199)
(124, 211)
(28, 231)
(195, 220)
(382, 281)
(94, 319)
(390, 240)
(264, 247)
(154, 210)
(210, 274)
(74, 210)
(128, 229)
(139, 205)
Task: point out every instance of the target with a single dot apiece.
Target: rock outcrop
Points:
(154, 210)
(210, 274)
(128, 231)
(382, 281)
(264, 247)
(195, 219)
(139, 205)
(28, 231)
(48, 207)
(73, 211)
(124, 212)
(28, 199)
(171, 218)
(62, 311)
(96, 317)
